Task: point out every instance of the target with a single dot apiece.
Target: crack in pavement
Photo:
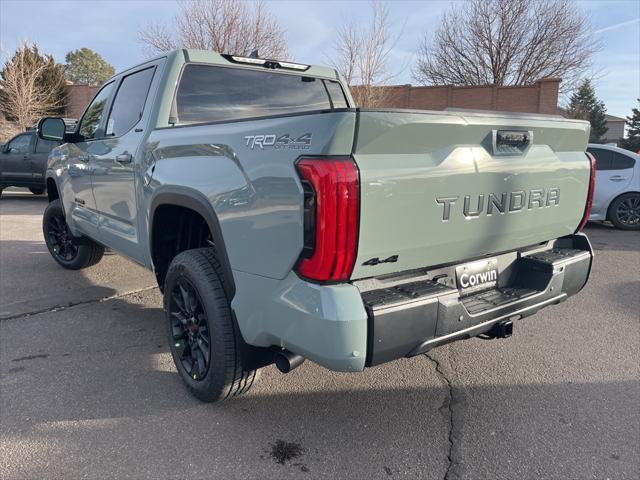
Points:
(447, 409)
(59, 308)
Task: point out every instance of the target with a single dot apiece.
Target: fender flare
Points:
(49, 175)
(196, 201)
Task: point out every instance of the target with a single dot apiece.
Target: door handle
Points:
(123, 158)
(617, 178)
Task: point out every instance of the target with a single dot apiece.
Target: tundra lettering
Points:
(283, 223)
(474, 205)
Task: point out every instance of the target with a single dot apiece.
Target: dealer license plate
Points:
(476, 276)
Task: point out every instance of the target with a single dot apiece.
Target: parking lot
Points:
(88, 388)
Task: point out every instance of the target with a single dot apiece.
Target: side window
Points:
(45, 146)
(20, 144)
(91, 120)
(603, 159)
(610, 160)
(336, 94)
(621, 162)
(129, 102)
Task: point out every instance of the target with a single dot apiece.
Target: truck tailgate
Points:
(445, 187)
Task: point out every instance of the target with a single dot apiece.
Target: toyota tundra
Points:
(283, 223)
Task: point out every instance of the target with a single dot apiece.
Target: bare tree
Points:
(362, 54)
(7, 129)
(508, 42)
(27, 91)
(225, 26)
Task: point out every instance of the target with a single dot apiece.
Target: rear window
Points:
(211, 94)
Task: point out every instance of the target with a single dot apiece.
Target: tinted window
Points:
(610, 160)
(20, 144)
(336, 93)
(45, 146)
(209, 94)
(621, 162)
(91, 119)
(129, 102)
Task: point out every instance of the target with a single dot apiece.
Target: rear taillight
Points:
(331, 216)
(592, 186)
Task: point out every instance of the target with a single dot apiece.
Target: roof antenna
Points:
(254, 54)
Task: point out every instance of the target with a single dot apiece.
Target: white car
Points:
(617, 195)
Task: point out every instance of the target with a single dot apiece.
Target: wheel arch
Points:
(196, 201)
(53, 193)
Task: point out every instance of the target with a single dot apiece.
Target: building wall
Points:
(615, 132)
(78, 97)
(541, 97)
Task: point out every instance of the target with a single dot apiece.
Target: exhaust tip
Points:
(286, 361)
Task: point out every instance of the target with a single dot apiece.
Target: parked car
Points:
(617, 194)
(23, 162)
(284, 223)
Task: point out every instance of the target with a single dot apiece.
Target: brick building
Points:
(541, 97)
(78, 97)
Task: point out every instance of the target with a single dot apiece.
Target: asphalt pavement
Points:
(88, 388)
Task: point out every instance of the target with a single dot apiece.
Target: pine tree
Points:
(585, 105)
(632, 142)
(86, 67)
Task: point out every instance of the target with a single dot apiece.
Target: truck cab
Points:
(23, 162)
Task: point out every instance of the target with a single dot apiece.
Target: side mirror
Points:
(4, 148)
(51, 128)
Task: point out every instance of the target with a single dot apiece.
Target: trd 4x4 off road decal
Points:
(283, 141)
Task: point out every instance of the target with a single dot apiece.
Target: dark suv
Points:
(23, 162)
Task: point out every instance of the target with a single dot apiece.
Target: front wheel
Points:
(203, 338)
(71, 252)
(624, 211)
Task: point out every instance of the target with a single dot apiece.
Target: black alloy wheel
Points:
(624, 211)
(628, 211)
(190, 329)
(60, 238)
(205, 343)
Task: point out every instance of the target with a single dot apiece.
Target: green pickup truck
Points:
(283, 223)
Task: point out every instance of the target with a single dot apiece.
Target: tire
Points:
(37, 191)
(198, 316)
(73, 253)
(624, 211)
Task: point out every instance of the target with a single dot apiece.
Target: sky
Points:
(111, 29)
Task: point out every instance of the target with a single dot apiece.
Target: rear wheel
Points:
(37, 191)
(624, 211)
(71, 252)
(203, 338)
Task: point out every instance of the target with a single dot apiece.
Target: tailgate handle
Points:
(511, 142)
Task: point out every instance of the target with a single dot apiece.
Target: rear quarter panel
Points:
(255, 191)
